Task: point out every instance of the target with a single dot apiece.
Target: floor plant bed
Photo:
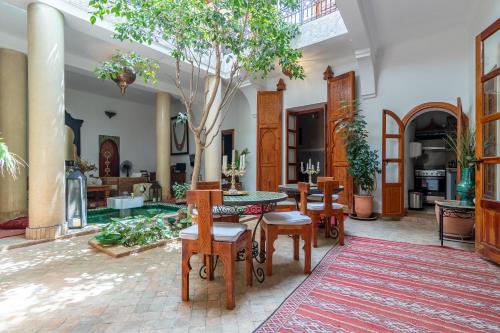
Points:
(125, 236)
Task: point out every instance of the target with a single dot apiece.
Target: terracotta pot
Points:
(363, 205)
(456, 226)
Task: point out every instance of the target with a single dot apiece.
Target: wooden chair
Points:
(295, 223)
(214, 239)
(327, 209)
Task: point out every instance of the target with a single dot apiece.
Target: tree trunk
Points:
(197, 164)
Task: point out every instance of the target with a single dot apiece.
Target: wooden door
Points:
(488, 143)
(109, 159)
(393, 131)
(292, 170)
(341, 91)
(269, 113)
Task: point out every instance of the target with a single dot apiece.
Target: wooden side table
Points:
(452, 208)
(98, 190)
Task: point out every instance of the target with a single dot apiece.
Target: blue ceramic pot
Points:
(466, 187)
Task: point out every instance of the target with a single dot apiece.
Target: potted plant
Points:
(124, 67)
(180, 191)
(464, 148)
(363, 161)
(9, 162)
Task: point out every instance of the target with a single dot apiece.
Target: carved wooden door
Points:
(488, 143)
(109, 159)
(393, 131)
(269, 113)
(341, 94)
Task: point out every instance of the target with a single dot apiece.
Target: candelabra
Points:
(233, 172)
(310, 170)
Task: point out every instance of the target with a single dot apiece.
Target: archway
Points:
(394, 164)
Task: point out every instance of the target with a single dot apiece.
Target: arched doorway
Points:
(393, 152)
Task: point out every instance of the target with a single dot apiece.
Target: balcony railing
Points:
(309, 10)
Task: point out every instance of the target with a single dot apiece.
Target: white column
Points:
(163, 142)
(13, 118)
(46, 122)
(213, 152)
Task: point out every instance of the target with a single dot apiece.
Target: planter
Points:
(466, 187)
(124, 79)
(456, 226)
(363, 205)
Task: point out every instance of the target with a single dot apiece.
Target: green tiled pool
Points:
(104, 215)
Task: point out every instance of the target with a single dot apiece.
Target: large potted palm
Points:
(363, 161)
(464, 147)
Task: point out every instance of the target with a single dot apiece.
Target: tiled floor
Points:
(64, 286)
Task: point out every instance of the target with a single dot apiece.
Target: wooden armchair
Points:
(214, 239)
(327, 209)
(294, 223)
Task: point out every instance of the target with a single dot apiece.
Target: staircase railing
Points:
(309, 10)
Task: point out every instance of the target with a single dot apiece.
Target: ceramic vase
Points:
(466, 187)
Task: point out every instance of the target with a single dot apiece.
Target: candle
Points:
(244, 162)
(301, 166)
(317, 168)
(234, 156)
(224, 162)
(310, 164)
(241, 162)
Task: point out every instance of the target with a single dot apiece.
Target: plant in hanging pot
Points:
(363, 161)
(123, 68)
(465, 148)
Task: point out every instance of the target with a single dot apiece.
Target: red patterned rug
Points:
(372, 285)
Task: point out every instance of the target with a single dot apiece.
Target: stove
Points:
(432, 184)
(430, 173)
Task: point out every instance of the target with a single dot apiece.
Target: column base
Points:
(51, 232)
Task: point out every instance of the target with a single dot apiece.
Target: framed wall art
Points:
(179, 137)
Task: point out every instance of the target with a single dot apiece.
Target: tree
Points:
(229, 39)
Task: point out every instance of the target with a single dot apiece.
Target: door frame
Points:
(456, 110)
(486, 209)
(300, 111)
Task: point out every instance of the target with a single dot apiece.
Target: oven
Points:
(432, 184)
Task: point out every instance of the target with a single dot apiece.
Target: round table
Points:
(452, 208)
(293, 189)
(256, 203)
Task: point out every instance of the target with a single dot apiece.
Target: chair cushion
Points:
(294, 217)
(222, 231)
(321, 206)
(319, 197)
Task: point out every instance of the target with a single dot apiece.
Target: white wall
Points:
(134, 123)
(241, 117)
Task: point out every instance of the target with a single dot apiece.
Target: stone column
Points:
(163, 143)
(13, 117)
(46, 122)
(213, 152)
